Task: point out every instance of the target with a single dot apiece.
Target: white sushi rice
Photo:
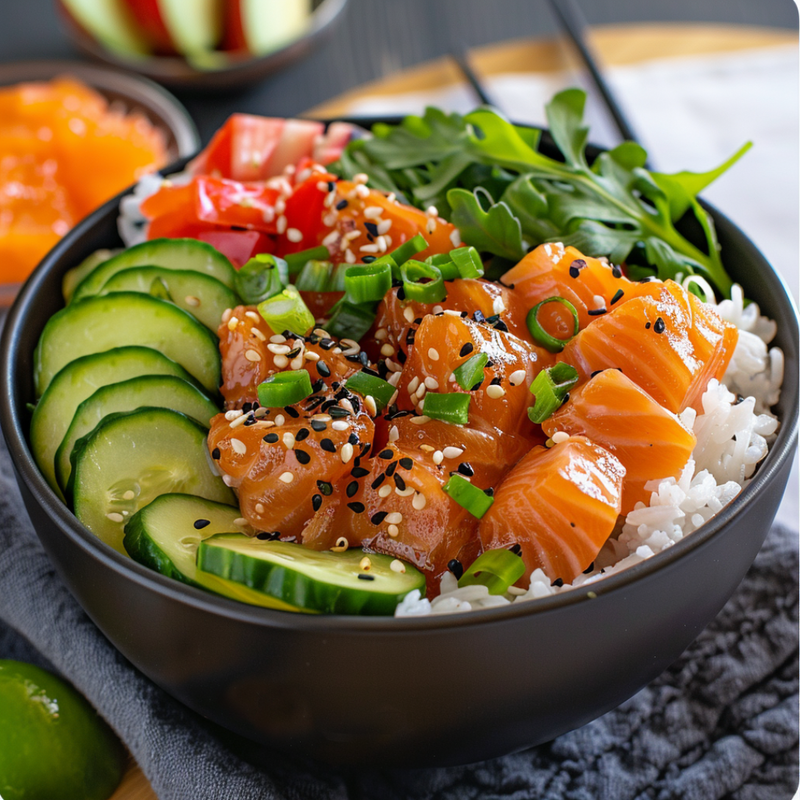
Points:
(733, 435)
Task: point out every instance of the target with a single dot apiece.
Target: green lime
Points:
(52, 742)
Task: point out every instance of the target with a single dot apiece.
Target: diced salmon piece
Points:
(398, 508)
(553, 270)
(444, 342)
(282, 466)
(612, 411)
(249, 356)
(559, 505)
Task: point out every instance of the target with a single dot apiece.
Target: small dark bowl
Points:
(412, 692)
(239, 71)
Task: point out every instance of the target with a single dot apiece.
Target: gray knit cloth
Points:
(722, 722)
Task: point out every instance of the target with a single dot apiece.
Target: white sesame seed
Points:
(455, 238)
(419, 502)
(393, 531)
(129, 495)
(345, 403)
(385, 490)
(393, 366)
(404, 492)
(365, 564)
(310, 355)
(279, 420)
(369, 248)
(427, 448)
(252, 355)
(438, 457)
(516, 377)
(339, 425)
(114, 517)
(232, 323)
(431, 383)
(253, 316)
(381, 242)
(453, 452)
(239, 421)
(233, 414)
(239, 447)
(408, 313)
(286, 477)
(278, 338)
(421, 389)
(294, 235)
(349, 256)
(430, 225)
(227, 480)
(598, 301)
(329, 220)
(384, 226)
(330, 239)
(360, 177)
(393, 398)
(381, 334)
(260, 412)
(387, 350)
(452, 312)
(394, 379)
(498, 306)
(288, 439)
(437, 309)
(420, 420)
(321, 417)
(495, 392)
(432, 211)
(397, 566)
(279, 349)
(433, 354)
(281, 362)
(559, 437)
(280, 225)
(395, 518)
(362, 191)
(297, 361)
(369, 402)
(191, 300)
(258, 334)
(346, 452)
(394, 434)
(373, 212)
(226, 314)
(280, 206)
(413, 384)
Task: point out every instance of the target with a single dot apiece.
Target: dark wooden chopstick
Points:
(466, 70)
(573, 22)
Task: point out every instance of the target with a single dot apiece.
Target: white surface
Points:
(691, 114)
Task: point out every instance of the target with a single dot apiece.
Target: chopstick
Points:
(462, 63)
(573, 22)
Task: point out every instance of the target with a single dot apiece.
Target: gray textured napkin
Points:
(722, 722)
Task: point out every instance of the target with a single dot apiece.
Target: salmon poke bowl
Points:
(451, 406)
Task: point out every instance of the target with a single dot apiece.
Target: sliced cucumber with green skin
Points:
(79, 380)
(176, 254)
(332, 583)
(75, 275)
(163, 391)
(131, 458)
(100, 323)
(202, 296)
(164, 537)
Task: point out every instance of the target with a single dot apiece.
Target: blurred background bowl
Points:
(221, 70)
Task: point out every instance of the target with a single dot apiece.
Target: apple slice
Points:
(109, 22)
(329, 146)
(258, 27)
(184, 27)
(298, 140)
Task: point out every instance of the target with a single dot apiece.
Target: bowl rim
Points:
(11, 423)
(139, 89)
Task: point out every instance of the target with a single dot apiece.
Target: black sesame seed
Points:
(406, 463)
(401, 293)
(618, 295)
(659, 326)
(391, 468)
(318, 425)
(501, 326)
(293, 353)
(465, 468)
(378, 481)
(352, 488)
(268, 535)
(494, 318)
(489, 364)
(341, 204)
(399, 482)
(316, 502)
(647, 326)
(476, 386)
(401, 356)
(353, 358)
(201, 523)
(362, 576)
(292, 412)
(246, 407)
(338, 413)
(410, 337)
(372, 228)
(302, 456)
(215, 454)
(574, 272)
(418, 321)
(596, 312)
(495, 382)
(386, 454)
(466, 349)
(326, 343)
(313, 403)
(616, 271)
(368, 259)
(323, 369)
(301, 434)
(456, 567)
(352, 439)
(595, 373)
(370, 237)
(566, 399)
(558, 582)
(478, 316)
(328, 446)
(589, 568)
(356, 507)
(271, 438)
(251, 420)
(325, 488)
(489, 492)
(359, 472)
(516, 549)
(318, 386)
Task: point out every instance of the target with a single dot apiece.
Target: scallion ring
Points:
(540, 335)
(495, 569)
(350, 320)
(470, 372)
(379, 390)
(450, 407)
(468, 496)
(284, 389)
(408, 249)
(467, 261)
(263, 276)
(296, 261)
(287, 311)
(413, 272)
(315, 276)
(367, 283)
(550, 387)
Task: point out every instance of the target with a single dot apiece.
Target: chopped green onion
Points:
(336, 280)
(379, 390)
(314, 277)
(350, 320)
(445, 265)
(495, 569)
(263, 276)
(468, 262)
(540, 335)
(160, 290)
(368, 283)
(475, 500)
(470, 372)
(296, 261)
(449, 406)
(550, 387)
(411, 272)
(284, 388)
(287, 311)
(408, 249)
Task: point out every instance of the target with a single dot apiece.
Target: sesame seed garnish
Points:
(234, 413)
(279, 349)
(617, 296)
(232, 323)
(191, 300)
(341, 545)
(455, 238)
(279, 420)
(421, 419)
(369, 402)
(498, 306)
(346, 453)
(356, 507)
(397, 566)
(339, 425)
(387, 350)
(659, 326)
(438, 457)
(384, 226)
(238, 446)
(453, 452)
(115, 517)
(386, 454)
(413, 384)
(199, 524)
(365, 564)
(252, 355)
(419, 502)
(408, 313)
(281, 362)
(385, 490)
(239, 421)
(286, 477)
(271, 438)
(559, 437)
(431, 383)
(517, 377)
(466, 349)
(258, 334)
(393, 531)
(364, 577)
(596, 312)
(495, 392)
(433, 354)
(328, 446)
(288, 439)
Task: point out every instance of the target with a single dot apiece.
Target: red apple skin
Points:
(233, 38)
(148, 15)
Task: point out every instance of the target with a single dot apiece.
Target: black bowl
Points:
(412, 692)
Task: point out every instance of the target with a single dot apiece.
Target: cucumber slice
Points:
(75, 275)
(100, 323)
(130, 459)
(333, 583)
(78, 381)
(202, 296)
(176, 254)
(163, 537)
(163, 391)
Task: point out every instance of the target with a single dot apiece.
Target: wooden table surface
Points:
(617, 45)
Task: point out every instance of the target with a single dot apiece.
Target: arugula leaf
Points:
(565, 117)
(497, 230)
(530, 207)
